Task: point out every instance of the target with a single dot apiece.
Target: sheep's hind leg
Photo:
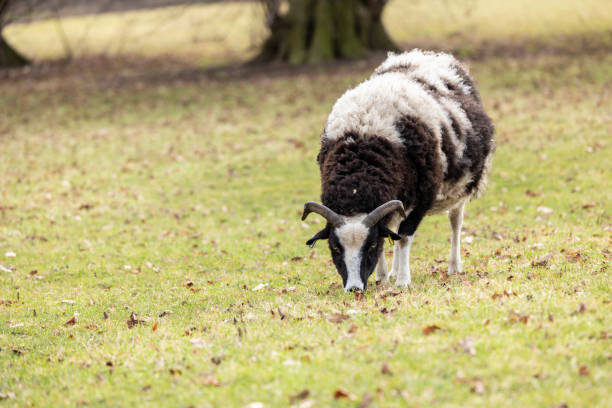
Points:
(455, 215)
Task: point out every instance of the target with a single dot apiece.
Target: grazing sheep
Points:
(411, 140)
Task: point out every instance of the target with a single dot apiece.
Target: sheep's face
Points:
(355, 249)
(355, 242)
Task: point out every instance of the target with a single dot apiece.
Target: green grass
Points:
(184, 196)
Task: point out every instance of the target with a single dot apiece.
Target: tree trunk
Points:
(9, 57)
(320, 30)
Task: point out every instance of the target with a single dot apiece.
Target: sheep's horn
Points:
(380, 212)
(327, 213)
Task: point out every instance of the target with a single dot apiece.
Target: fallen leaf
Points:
(430, 329)
(71, 321)
(583, 370)
(478, 387)
(574, 255)
(467, 345)
(342, 394)
(259, 287)
(366, 400)
(514, 316)
(175, 371)
(297, 259)
(542, 261)
(581, 309)
(353, 329)
(154, 326)
(299, 396)
(544, 210)
(337, 317)
(17, 351)
(391, 293)
(7, 395)
(359, 295)
(133, 321)
(216, 360)
(165, 313)
(588, 205)
(16, 325)
(385, 369)
(211, 381)
(198, 342)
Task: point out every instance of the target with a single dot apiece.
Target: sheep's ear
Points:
(386, 232)
(323, 234)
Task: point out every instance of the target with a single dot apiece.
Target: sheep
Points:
(412, 140)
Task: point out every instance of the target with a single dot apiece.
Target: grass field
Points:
(178, 199)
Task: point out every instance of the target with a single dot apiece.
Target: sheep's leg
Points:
(401, 255)
(396, 258)
(382, 275)
(455, 216)
(403, 270)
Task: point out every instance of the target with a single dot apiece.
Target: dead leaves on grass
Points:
(475, 383)
(337, 317)
(71, 321)
(340, 393)
(467, 345)
(514, 317)
(133, 321)
(427, 330)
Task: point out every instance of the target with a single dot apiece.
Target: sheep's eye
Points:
(373, 246)
(335, 248)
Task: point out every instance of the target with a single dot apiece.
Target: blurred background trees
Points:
(9, 57)
(318, 30)
(230, 32)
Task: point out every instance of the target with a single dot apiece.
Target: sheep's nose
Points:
(353, 289)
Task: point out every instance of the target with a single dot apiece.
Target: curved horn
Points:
(327, 213)
(380, 212)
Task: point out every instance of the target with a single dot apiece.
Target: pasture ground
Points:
(152, 252)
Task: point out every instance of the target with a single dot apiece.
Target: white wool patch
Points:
(459, 116)
(434, 68)
(374, 107)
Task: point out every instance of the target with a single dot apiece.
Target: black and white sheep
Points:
(411, 140)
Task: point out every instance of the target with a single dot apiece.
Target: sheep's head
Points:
(355, 242)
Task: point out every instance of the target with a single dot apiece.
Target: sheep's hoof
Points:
(403, 283)
(454, 268)
(382, 281)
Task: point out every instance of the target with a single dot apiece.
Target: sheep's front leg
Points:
(455, 216)
(382, 275)
(395, 262)
(402, 254)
